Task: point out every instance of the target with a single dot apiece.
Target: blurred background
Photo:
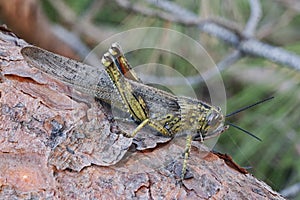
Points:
(256, 46)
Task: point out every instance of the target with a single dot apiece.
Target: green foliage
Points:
(78, 6)
(106, 16)
(276, 122)
(50, 11)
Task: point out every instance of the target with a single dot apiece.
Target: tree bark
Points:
(58, 145)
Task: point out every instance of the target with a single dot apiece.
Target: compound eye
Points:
(213, 119)
(212, 122)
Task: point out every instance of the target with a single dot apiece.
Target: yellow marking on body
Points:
(139, 127)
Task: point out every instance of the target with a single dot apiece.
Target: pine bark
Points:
(54, 146)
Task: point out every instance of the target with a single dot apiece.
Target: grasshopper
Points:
(194, 117)
(164, 112)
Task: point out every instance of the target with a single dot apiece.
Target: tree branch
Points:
(291, 191)
(232, 36)
(254, 18)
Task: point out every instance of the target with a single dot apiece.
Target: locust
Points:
(116, 83)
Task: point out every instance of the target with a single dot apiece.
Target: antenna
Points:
(245, 131)
(250, 106)
(245, 108)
